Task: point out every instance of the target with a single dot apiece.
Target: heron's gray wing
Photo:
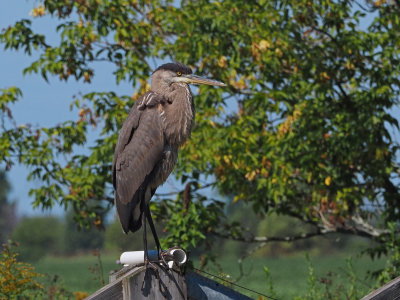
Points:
(139, 148)
(131, 124)
(140, 155)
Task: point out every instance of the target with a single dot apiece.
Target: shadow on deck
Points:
(134, 282)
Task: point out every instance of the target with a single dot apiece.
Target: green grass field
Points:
(289, 275)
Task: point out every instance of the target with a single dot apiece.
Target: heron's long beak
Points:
(194, 79)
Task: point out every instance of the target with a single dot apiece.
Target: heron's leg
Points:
(147, 262)
(146, 255)
(152, 227)
(153, 230)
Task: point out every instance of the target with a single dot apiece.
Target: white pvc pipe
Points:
(137, 257)
(178, 255)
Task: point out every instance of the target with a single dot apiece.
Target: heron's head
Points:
(169, 73)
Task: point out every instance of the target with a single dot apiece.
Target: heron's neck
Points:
(179, 115)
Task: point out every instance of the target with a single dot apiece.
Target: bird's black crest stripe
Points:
(175, 67)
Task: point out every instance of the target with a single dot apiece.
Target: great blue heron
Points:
(159, 123)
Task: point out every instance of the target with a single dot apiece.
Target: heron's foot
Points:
(162, 256)
(149, 265)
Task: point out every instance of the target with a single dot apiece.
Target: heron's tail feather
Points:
(130, 214)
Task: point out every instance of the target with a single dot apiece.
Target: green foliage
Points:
(38, 236)
(342, 285)
(315, 84)
(313, 292)
(271, 290)
(188, 224)
(19, 280)
(97, 269)
(391, 249)
(54, 289)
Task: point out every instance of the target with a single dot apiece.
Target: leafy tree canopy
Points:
(305, 128)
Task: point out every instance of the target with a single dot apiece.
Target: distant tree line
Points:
(40, 236)
(8, 216)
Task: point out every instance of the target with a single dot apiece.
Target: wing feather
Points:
(139, 148)
(148, 100)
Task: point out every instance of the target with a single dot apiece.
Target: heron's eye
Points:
(178, 73)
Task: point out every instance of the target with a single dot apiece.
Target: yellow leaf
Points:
(38, 11)
(250, 176)
(309, 177)
(278, 52)
(324, 76)
(328, 180)
(222, 62)
(240, 84)
(264, 45)
(86, 77)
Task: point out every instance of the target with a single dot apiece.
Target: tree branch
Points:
(181, 191)
(360, 227)
(356, 226)
(266, 239)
